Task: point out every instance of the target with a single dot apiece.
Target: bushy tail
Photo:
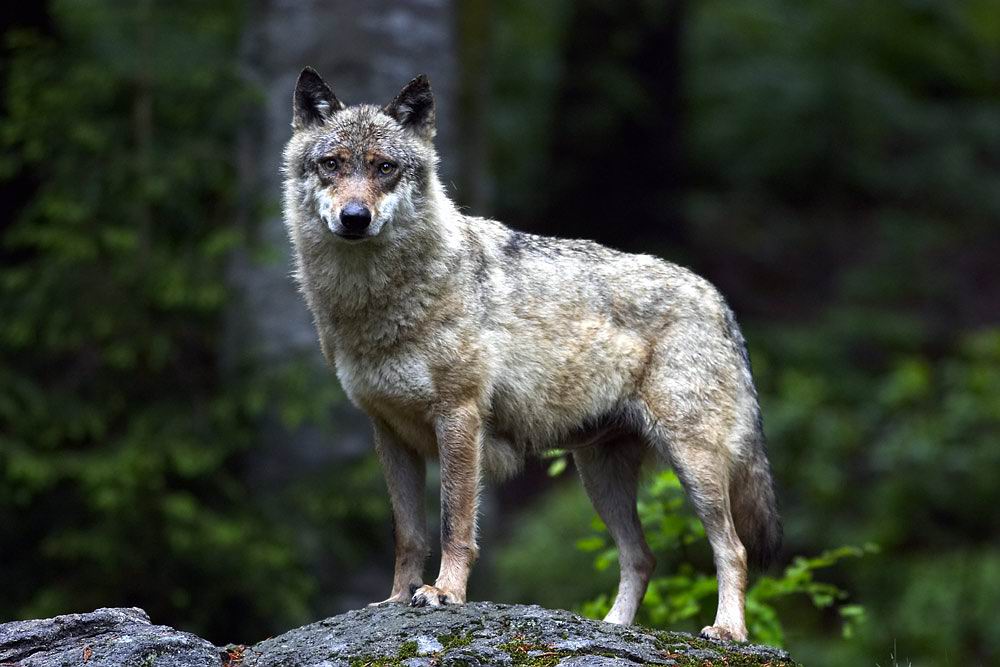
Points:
(754, 506)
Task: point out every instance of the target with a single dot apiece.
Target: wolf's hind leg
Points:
(703, 472)
(697, 399)
(405, 474)
(610, 473)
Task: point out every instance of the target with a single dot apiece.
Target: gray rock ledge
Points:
(472, 635)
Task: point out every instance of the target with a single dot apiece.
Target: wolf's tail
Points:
(753, 503)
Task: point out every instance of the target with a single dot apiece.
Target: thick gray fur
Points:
(469, 342)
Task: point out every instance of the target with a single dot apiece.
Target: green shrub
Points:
(687, 596)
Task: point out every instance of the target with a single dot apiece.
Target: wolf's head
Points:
(358, 171)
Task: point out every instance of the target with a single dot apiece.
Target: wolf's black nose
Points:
(355, 217)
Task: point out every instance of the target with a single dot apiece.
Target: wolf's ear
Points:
(313, 101)
(414, 107)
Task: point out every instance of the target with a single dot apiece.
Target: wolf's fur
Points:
(470, 342)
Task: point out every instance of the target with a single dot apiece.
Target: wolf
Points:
(469, 342)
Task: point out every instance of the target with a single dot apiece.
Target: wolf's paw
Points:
(429, 596)
(619, 617)
(401, 597)
(722, 634)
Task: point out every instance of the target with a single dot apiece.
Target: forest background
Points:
(170, 439)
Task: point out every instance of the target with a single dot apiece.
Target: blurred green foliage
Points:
(906, 459)
(122, 436)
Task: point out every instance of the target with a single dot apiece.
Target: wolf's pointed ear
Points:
(414, 107)
(313, 101)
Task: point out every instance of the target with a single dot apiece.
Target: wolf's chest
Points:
(395, 390)
(400, 378)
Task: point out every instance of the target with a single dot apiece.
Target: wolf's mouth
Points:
(351, 236)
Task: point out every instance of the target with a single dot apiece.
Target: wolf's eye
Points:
(386, 168)
(330, 163)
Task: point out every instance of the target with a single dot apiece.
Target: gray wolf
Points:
(469, 342)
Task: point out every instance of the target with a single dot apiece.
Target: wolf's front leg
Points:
(458, 436)
(405, 474)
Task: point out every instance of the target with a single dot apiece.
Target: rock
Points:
(102, 638)
(476, 634)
